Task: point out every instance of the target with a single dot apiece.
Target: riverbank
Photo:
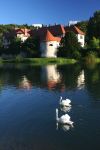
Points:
(41, 61)
(44, 61)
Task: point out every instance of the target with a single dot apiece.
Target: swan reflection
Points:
(64, 121)
(81, 80)
(65, 109)
(64, 127)
(25, 83)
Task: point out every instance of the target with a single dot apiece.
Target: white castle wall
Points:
(22, 37)
(81, 39)
(49, 49)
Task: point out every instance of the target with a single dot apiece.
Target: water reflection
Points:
(65, 109)
(50, 76)
(27, 120)
(92, 78)
(25, 83)
(64, 127)
(81, 80)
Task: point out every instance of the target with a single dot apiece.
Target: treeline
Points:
(29, 48)
(92, 30)
(8, 27)
(69, 46)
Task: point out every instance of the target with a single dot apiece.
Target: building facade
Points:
(49, 37)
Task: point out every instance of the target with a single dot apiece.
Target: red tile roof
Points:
(44, 35)
(47, 36)
(50, 33)
(78, 31)
(57, 30)
(75, 29)
(22, 31)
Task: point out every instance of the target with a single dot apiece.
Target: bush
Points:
(76, 55)
(69, 46)
(94, 43)
(1, 60)
(19, 58)
(91, 57)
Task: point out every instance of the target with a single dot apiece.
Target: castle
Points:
(49, 36)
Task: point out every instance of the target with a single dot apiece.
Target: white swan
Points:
(64, 119)
(66, 102)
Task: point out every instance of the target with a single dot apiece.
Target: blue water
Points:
(29, 96)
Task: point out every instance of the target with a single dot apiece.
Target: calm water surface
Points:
(29, 97)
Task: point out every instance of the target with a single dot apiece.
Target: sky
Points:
(46, 11)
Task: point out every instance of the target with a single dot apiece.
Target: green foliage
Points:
(31, 47)
(19, 58)
(82, 26)
(76, 54)
(15, 45)
(93, 29)
(69, 46)
(91, 57)
(8, 27)
(94, 43)
(1, 60)
(1, 40)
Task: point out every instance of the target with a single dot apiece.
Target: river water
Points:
(29, 96)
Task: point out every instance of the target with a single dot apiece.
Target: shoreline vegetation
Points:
(40, 61)
(46, 61)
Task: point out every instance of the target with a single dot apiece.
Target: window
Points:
(50, 44)
(81, 37)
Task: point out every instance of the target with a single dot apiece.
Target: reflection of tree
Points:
(92, 77)
(69, 74)
(12, 75)
(1, 85)
(50, 77)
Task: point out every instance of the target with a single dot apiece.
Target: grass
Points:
(41, 61)
(97, 60)
(1, 60)
(44, 61)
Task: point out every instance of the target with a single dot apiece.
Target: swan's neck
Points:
(57, 115)
(60, 99)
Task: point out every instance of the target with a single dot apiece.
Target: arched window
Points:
(50, 44)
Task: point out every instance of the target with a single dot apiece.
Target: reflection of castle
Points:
(25, 83)
(50, 75)
(81, 80)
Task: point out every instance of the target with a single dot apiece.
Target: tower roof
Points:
(47, 36)
(78, 31)
(75, 29)
(57, 30)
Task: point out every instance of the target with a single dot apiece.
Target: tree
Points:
(1, 40)
(93, 29)
(69, 46)
(15, 46)
(94, 43)
(83, 26)
(31, 47)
